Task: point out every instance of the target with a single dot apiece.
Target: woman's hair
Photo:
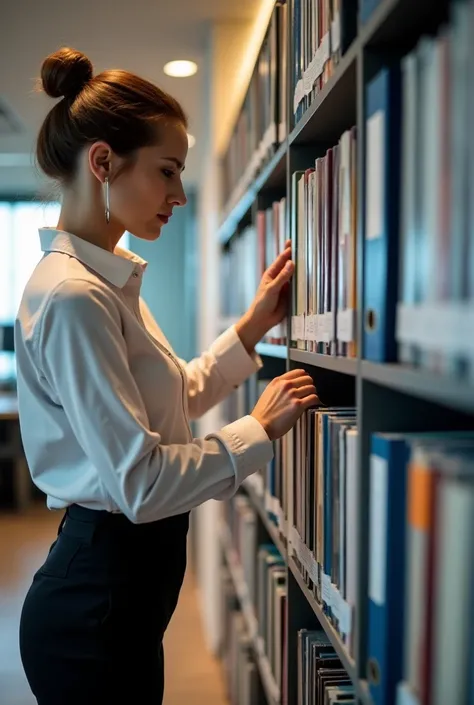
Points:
(117, 107)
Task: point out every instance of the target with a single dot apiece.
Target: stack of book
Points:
(324, 241)
(322, 511)
(322, 32)
(322, 680)
(421, 568)
(261, 125)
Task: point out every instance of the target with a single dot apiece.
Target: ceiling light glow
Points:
(180, 69)
(191, 140)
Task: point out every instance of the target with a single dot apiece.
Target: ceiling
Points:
(137, 35)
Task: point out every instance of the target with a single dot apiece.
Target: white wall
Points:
(169, 285)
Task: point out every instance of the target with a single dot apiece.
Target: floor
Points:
(23, 543)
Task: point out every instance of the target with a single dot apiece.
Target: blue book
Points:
(389, 459)
(382, 205)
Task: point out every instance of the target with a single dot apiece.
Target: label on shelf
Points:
(326, 590)
(328, 323)
(317, 328)
(309, 324)
(336, 33)
(301, 326)
(345, 325)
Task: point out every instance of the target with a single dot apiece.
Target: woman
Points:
(105, 404)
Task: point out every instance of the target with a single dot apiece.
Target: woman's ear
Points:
(100, 160)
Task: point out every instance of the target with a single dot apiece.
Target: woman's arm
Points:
(216, 373)
(231, 358)
(82, 355)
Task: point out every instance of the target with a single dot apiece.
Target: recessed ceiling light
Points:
(180, 69)
(191, 140)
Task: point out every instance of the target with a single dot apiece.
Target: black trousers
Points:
(94, 617)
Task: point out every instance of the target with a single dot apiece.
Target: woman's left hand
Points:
(270, 304)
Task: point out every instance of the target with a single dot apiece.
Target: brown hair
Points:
(115, 106)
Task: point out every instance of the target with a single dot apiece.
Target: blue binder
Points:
(388, 497)
(382, 206)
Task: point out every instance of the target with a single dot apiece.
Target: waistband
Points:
(84, 523)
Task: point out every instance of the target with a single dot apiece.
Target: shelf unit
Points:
(388, 397)
(271, 689)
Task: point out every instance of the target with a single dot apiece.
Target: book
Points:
(381, 214)
(323, 31)
(405, 531)
(320, 514)
(324, 242)
(261, 124)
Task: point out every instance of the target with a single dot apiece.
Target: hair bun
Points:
(65, 73)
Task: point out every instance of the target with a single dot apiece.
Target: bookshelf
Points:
(434, 394)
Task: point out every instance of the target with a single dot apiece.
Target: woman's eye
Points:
(168, 173)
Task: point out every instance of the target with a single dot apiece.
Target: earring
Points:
(107, 200)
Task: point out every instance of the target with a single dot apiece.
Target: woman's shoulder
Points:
(65, 296)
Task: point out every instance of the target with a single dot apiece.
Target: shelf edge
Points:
(344, 365)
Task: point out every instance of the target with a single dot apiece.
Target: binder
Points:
(387, 506)
(382, 214)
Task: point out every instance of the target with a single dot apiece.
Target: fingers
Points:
(283, 277)
(307, 390)
(275, 268)
(312, 400)
(292, 374)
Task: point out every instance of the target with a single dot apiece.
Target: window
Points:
(20, 249)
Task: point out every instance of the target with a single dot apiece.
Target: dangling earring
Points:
(107, 200)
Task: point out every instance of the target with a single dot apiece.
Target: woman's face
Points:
(144, 194)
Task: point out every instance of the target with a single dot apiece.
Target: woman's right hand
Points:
(284, 401)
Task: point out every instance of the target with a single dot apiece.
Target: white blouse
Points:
(105, 404)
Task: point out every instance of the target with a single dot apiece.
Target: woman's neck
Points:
(87, 221)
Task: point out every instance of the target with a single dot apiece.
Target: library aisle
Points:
(23, 542)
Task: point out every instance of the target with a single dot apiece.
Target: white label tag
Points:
(345, 618)
(335, 601)
(375, 175)
(405, 696)
(345, 325)
(301, 327)
(310, 327)
(326, 592)
(378, 533)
